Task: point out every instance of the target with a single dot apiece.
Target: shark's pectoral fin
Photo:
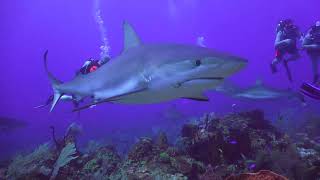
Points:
(110, 99)
(197, 97)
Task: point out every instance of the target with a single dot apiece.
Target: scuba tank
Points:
(90, 65)
(291, 32)
(315, 34)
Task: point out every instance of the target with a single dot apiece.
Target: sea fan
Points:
(67, 154)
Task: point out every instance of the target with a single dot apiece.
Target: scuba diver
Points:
(286, 44)
(311, 43)
(92, 65)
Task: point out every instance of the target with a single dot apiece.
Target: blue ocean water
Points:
(73, 31)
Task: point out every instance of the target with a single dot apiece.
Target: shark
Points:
(8, 124)
(147, 73)
(259, 91)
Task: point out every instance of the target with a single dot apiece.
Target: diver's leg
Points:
(286, 66)
(296, 55)
(274, 63)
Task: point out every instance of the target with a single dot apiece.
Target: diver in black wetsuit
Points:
(92, 65)
(286, 44)
(311, 43)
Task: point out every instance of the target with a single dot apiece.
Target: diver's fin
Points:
(110, 99)
(54, 82)
(131, 39)
(198, 97)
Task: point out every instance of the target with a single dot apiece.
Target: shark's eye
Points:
(198, 62)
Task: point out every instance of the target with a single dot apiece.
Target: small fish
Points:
(233, 142)
(252, 166)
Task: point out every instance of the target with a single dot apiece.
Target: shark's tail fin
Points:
(54, 82)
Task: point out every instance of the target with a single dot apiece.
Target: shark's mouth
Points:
(203, 78)
(180, 84)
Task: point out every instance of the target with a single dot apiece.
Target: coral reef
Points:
(261, 175)
(237, 146)
(32, 166)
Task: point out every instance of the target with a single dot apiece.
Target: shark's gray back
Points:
(134, 61)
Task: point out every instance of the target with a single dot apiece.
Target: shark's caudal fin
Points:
(54, 82)
(131, 39)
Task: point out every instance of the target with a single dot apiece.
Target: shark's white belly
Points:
(193, 89)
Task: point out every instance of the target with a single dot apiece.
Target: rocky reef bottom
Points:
(238, 146)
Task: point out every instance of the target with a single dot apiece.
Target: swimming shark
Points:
(150, 73)
(8, 124)
(259, 91)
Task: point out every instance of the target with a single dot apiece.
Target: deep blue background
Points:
(68, 30)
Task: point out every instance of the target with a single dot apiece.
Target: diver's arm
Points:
(281, 43)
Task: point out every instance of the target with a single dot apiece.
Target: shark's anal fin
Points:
(131, 38)
(110, 99)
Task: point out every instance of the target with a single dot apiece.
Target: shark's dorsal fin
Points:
(131, 38)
